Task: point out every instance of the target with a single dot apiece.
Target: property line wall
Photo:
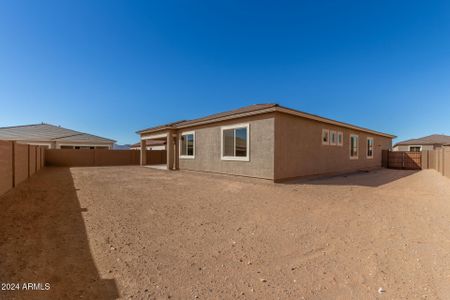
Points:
(99, 157)
(17, 163)
(438, 160)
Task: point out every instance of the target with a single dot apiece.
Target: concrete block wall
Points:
(97, 157)
(17, 163)
(21, 158)
(6, 166)
(438, 160)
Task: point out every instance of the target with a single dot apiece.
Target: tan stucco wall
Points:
(207, 149)
(406, 147)
(299, 150)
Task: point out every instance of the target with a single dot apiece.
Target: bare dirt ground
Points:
(132, 232)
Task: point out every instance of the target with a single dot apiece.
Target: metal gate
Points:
(404, 160)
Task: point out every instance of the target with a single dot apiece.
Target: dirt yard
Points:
(139, 233)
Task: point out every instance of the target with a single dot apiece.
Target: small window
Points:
(325, 137)
(354, 146)
(369, 147)
(187, 145)
(415, 148)
(333, 138)
(340, 138)
(235, 142)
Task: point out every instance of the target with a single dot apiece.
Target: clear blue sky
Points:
(114, 67)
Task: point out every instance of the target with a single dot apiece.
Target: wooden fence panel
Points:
(405, 160)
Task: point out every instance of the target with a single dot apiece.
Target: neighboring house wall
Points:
(82, 145)
(299, 150)
(406, 147)
(57, 145)
(208, 148)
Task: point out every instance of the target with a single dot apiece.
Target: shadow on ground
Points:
(43, 240)
(373, 178)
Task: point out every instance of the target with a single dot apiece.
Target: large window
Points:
(235, 142)
(369, 147)
(187, 145)
(354, 146)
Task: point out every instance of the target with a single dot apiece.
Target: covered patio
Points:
(170, 161)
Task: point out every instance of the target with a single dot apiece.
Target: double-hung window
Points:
(340, 138)
(333, 138)
(187, 145)
(369, 147)
(354, 146)
(235, 142)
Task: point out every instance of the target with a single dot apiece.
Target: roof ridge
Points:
(28, 125)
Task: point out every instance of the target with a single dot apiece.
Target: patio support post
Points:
(177, 151)
(143, 152)
(170, 151)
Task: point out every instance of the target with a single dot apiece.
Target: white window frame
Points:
(333, 132)
(328, 140)
(357, 146)
(367, 147)
(238, 158)
(409, 147)
(341, 134)
(180, 143)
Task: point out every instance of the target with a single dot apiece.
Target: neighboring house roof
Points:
(251, 110)
(434, 139)
(150, 143)
(48, 132)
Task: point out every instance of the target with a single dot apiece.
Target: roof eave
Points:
(269, 110)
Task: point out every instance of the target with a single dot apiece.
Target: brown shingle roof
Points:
(48, 132)
(254, 110)
(251, 108)
(434, 139)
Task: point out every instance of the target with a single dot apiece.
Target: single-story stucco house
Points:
(268, 141)
(54, 137)
(430, 142)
